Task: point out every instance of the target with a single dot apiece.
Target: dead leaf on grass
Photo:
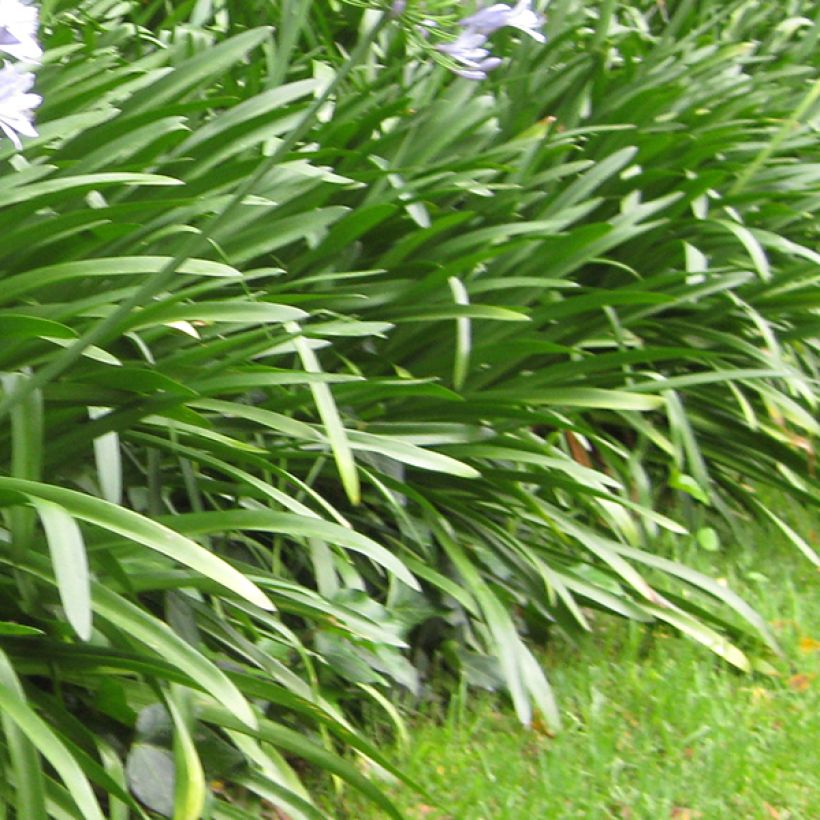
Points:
(772, 811)
(801, 682)
(422, 810)
(682, 813)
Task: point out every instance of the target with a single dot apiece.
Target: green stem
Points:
(605, 13)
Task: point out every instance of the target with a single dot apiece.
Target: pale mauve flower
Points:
(468, 50)
(501, 15)
(18, 30)
(17, 104)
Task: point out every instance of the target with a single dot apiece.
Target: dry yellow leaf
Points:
(800, 682)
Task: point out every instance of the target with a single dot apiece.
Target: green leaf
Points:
(241, 312)
(44, 190)
(461, 360)
(411, 454)
(145, 628)
(30, 796)
(685, 483)
(334, 428)
(296, 526)
(795, 539)
(142, 530)
(45, 277)
(108, 460)
(93, 352)
(437, 313)
(701, 633)
(588, 182)
(190, 790)
(68, 557)
(708, 539)
(210, 62)
(523, 676)
(26, 327)
(36, 730)
(243, 113)
(18, 630)
(752, 246)
(590, 397)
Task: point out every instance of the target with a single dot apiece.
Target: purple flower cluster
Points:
(469, 48)
(18, 38)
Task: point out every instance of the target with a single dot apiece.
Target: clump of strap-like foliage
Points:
(320, 363)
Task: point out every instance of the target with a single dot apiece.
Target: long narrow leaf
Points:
(142, 530)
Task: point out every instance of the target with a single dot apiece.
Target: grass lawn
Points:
(655, 726)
